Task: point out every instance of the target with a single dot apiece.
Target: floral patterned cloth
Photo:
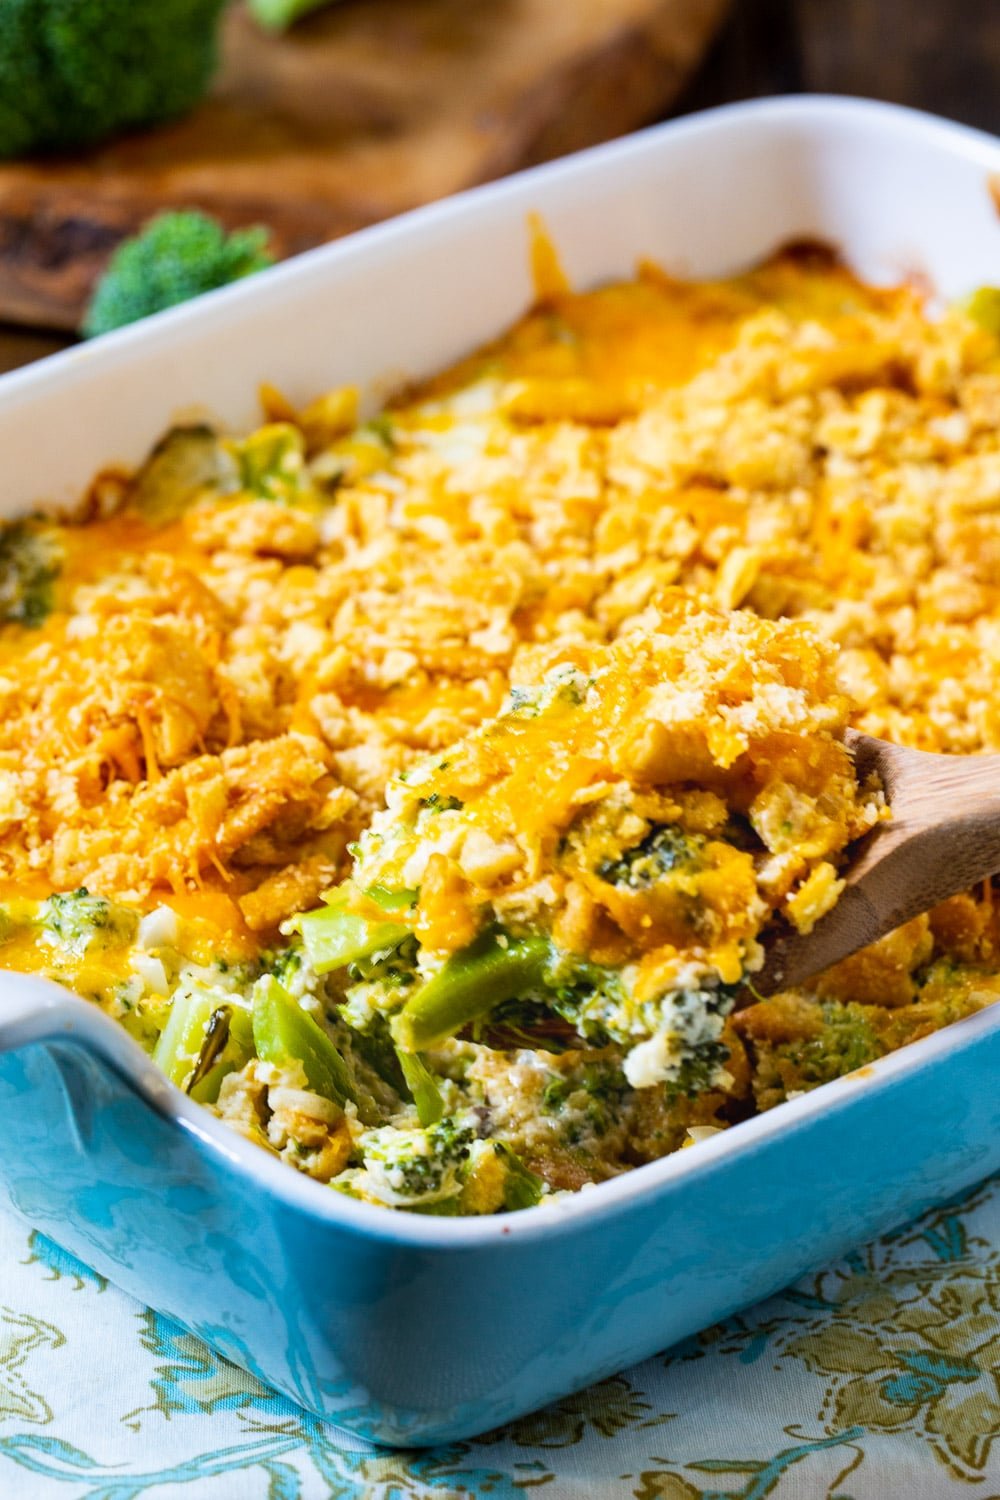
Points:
(877, 1379)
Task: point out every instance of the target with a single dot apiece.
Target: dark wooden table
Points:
(939, 55)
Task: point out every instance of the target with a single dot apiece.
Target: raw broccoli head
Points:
(177, 256)
(72, 73)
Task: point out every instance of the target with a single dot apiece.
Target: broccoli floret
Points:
(442, 1169)
(177, 256)
(286, 965)
(684, 1050)
(698, 1072)
(278, 15)
(848, 1041)
(592, 1092)
(78, 922)
(271, 463)
(666, 848)
(417, 1166)
(73, 73)
(29, 566)
(835, 1038)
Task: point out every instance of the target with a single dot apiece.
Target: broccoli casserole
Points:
(418, 790)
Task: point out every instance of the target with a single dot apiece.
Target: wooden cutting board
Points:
(366, 109)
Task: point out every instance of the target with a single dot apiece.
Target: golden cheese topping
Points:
(611, 845)
(716, 733)
(209, 677)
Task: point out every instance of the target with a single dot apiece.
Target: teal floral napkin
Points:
(876, 1379)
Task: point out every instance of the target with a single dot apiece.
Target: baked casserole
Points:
(418, 789)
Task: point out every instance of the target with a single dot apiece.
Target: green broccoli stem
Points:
(180, 1049)
(180, 1042)
(522, 1188)
(334, 937)
(469, 985)
(422, 1086)
(278, 15)
(283, 1033)
(238, 1049)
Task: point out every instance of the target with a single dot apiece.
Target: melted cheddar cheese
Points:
(642, 808)
(209, 677)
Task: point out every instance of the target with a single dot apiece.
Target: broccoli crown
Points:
(665, 849)
(836, 1037)
(71, 74)
(847, 1041)
(177, 256)
(183, 465)
(24, 111)
(79, 922)
(422, 1165)
(29, 566)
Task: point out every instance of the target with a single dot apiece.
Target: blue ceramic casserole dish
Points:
(413, 1330)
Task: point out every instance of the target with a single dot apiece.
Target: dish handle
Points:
(35, 1012)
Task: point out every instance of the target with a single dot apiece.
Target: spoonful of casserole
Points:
(602, 860)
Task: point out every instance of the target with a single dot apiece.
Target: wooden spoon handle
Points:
(943, 838)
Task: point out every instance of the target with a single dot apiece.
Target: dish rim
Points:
(213, 306)
(62, 1016)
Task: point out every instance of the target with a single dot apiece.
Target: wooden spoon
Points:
(943, 837)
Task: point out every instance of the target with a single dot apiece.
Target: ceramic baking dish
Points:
(415, 1330)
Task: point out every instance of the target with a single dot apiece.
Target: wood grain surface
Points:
(940, 55)
(943, 837)
(368, 108)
